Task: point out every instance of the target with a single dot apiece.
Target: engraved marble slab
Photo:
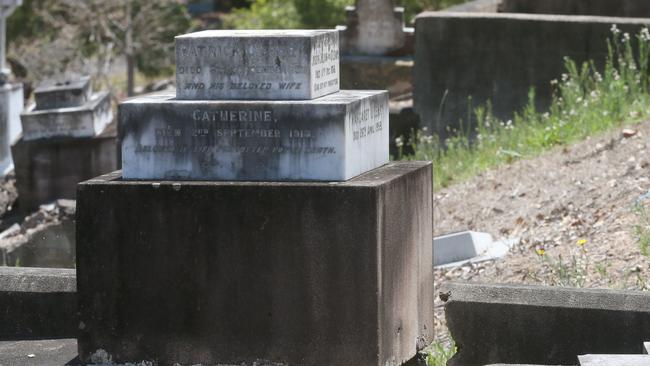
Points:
(63, 94)
(260, 65)
(333, 138)
(85, 121)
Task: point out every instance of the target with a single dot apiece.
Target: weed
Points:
(585, 102)
(438, 354)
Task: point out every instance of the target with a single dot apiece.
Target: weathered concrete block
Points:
(543, 325)
(225, 272)
(88, 120)
(37, 303)
(498, 58)
(11, 105)
(49, 169)
(63, 94)
(265, 64)
(609, 8)
(332, 138)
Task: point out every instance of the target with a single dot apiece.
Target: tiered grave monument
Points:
(11, 94)
(257, 217)
(67, 138)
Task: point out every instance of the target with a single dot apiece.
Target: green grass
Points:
(585, 103)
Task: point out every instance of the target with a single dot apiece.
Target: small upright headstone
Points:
(375, 27)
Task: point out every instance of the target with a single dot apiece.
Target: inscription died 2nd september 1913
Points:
(234, 131)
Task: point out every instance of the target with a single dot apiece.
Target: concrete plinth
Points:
(37, 303)
(50, 169)
(11, 105)
(234, 272)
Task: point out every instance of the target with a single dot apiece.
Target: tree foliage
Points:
(56, 36)
(286, 14)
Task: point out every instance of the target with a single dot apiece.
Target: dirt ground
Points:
(586, 191)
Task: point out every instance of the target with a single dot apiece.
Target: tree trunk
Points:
(130, 56)
(130, 75)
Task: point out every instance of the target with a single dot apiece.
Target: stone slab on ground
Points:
(48, 352)
(459, 246)
(63, 94)
(542, 325)
(11, 106)
(516, 52)
(263, 65)
(88, 120)
(229, 272)
(50, 169)
(333, 138)
(614, 360)
(37, 303)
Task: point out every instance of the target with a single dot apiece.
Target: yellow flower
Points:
(582, 242)
(540, 251)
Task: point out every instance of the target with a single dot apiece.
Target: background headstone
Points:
(374, 27)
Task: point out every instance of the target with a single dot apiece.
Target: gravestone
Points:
(378, 54)
(322, 256)
(375, 27)
(11, 94)
(67, 138)
(276, 65)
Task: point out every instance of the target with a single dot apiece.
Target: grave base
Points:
(50, 169)
(234, 272)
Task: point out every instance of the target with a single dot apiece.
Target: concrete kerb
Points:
(542, 325)
(37, 303)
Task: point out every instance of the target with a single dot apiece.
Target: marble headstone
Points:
(67, 109)
(332, 138)
(257, 65)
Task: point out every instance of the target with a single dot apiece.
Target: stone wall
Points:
(615, 8)
(542, 325)
(499, 57)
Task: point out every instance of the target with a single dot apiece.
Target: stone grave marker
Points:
(67, 138)
(252, 231)
(374, 27)
(11, 94)
(7, 7)
(275, 65)
(334, 137)
(67, 109)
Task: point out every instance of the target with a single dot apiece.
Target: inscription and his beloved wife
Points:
(273, 65)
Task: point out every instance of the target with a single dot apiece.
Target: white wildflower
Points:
(626, 37)
(598, 77)
(645, 34)
(615, 29)
(399, 142)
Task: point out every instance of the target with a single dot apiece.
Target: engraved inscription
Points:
(233, 131)
(366, 118)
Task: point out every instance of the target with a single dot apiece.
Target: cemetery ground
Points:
(570, 185)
